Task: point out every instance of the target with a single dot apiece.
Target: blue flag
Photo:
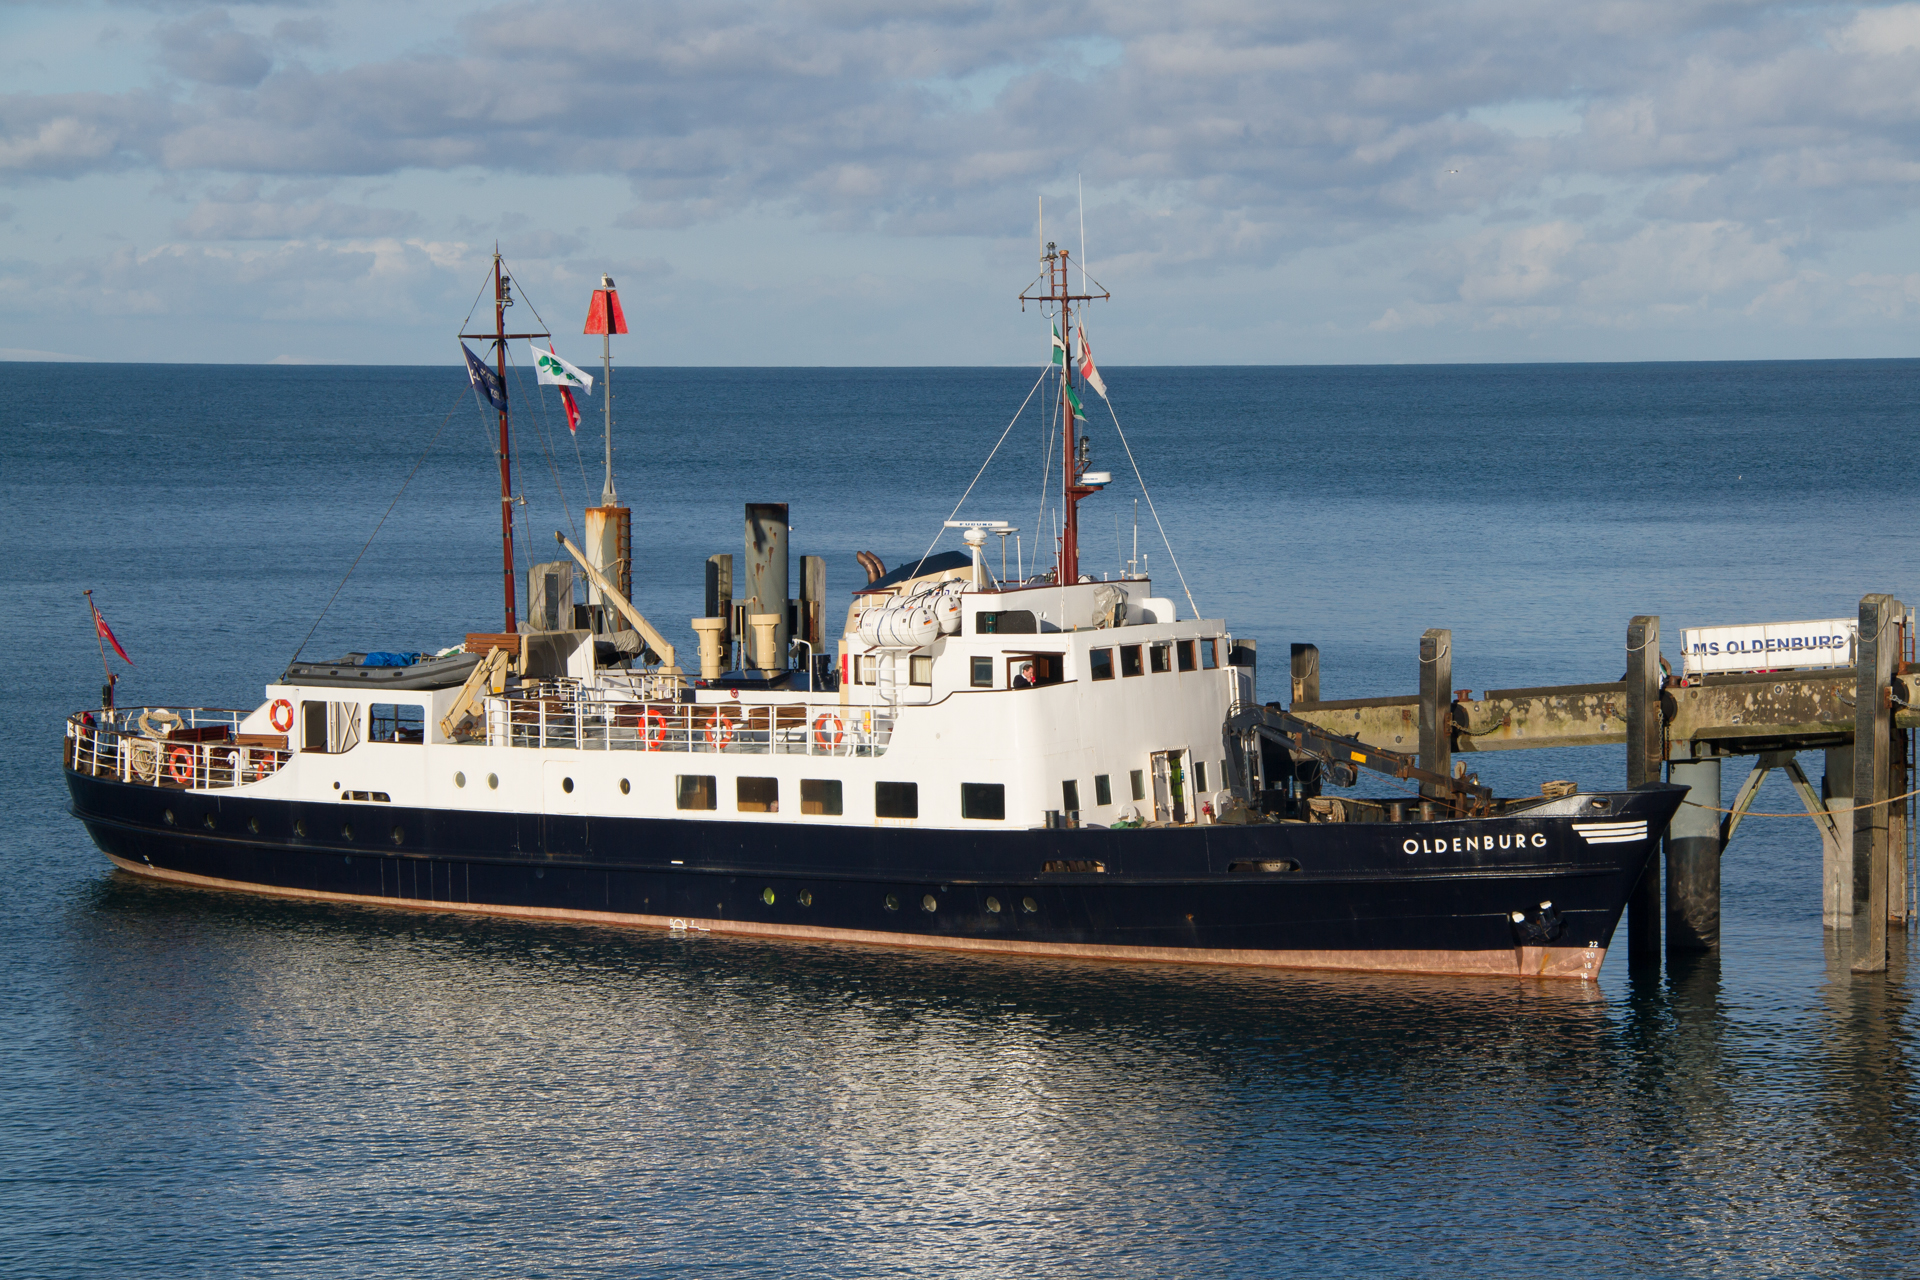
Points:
(485, 380)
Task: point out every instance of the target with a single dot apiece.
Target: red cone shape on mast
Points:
(604, 315)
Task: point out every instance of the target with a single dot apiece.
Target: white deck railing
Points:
(193, 748)
(558, 715)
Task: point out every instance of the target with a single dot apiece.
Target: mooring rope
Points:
(1808, 813)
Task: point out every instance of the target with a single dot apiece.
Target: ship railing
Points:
(557, 716)
(195, 748)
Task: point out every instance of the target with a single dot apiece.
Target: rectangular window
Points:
(1210, 655)
(1031, 670)
(756, 795)
(1199, 775)
(396, 722)
(920, 669)
(694, 791)
(1224, 775)
(1009, 622)
(313, 726)
(1137, 783)
(982, 677)
(1129, 659)
(867, 671)
(984, 800)
(820, 797)
(1070, 796)
(1100, 664)
(1160, 657)
(1185, 649)
(1102, 790)
(1241, 655)
(896, 799)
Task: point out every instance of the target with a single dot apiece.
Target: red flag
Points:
(566, 398)
(105, 632)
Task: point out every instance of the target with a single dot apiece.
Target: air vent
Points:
(1268, 865)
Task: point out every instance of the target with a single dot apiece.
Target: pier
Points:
(1862, 717)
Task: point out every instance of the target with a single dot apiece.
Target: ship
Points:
(1028, 763)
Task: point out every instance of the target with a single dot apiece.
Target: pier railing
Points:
(556, 715)
(194, 748)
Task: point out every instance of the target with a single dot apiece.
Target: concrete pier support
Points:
(1872, 779)
(1646, 746)
(1693, 857)
(1836, 842)
(1436, 708)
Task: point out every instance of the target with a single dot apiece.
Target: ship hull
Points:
(1428, 897)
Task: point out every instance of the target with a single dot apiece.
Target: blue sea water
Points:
(203, 1084)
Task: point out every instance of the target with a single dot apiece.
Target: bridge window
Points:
(1100, 664)
(1160, 657)
(820, 797)
(1185, 650)
(694, 791)
(396, 722)
(1009, 622)
(1210, 655)
(1130, 660)
(756, 795)
(983, 800)
(896, 800)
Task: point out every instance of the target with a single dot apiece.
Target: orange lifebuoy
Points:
(720, 730)
(264, 762)
(273, 714)
(820, 735)
(653, 729)
(180, 765)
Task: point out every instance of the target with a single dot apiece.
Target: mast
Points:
(506, 457)
(607, 496)
(502, 299)
(1060, 295)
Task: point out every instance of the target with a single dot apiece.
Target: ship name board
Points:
(1771, 646)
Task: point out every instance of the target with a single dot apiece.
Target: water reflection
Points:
(316, 1085)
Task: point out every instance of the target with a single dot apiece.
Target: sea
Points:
(208, 1084)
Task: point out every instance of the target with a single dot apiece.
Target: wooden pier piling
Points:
(1872, 779)
(1646, 748)
(1692, 854)
(1436, 709)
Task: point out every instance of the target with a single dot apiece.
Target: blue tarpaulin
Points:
(390, 659)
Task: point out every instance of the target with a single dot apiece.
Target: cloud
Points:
(208, 48)
(290, 220)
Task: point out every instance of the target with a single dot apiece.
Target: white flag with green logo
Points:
(555, 372)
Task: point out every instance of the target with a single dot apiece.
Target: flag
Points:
(101, 629)
(555, 372)
(485, 380)
(1073, 398)
(1059, 349)
(1089, 374)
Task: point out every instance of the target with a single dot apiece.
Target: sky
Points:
(848, 182)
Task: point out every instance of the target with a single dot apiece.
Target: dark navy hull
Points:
(1430, 897)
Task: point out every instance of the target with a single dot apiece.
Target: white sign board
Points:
(1772, 646)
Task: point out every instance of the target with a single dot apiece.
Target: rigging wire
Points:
(585, 488)
(1046, 471)
(421, 461)
(546, 448)
(983, 466)
(1165, 541)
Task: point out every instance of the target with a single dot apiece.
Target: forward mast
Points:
(1056, 271)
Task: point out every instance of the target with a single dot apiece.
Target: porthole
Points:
(399, 834)
(566, 785)
(253, 825)
(348, 859)
(299, 826)
(346, 831)
(459, 779)
(893, 903)
(927, 903)
(539, 873)
(993, 905)
(1029, 906)
(493, 782)
(206, 820)
(766, 896)
(806, 898)
(167, 817)
(625, 787)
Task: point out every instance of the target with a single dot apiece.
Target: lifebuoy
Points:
(180, 765)
(821, 737)
(720, 730)
(264, 762)
(653, 729)
(273, 714)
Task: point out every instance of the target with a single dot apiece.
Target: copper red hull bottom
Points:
(1576, 963)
